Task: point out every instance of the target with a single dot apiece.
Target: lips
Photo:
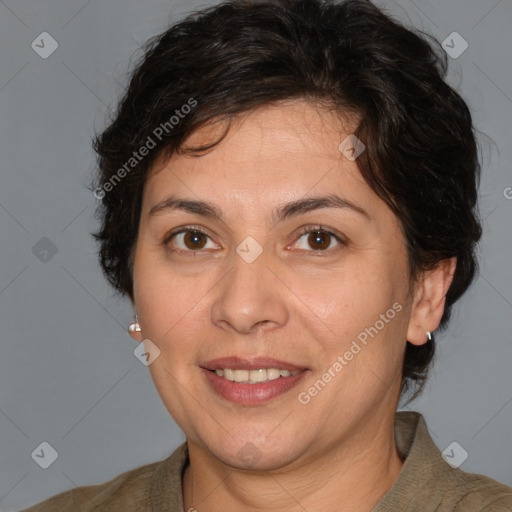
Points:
(251, 393)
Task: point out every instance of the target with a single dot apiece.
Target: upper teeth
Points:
(253, 376)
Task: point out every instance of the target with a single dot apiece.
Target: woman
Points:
(288, 199)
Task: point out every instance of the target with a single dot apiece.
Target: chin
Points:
(250, 458)
(247, 454)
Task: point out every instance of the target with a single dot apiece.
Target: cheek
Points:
(363, 313)
(170, 306)
(171, 312)
(172, 320)
(349, 299)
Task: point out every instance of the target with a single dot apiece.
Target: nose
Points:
(250, 297)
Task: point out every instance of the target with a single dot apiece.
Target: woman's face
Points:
(254, 290)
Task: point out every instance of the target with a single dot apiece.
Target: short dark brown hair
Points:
(421, 152)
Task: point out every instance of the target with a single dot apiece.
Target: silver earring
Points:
(429, 336)
(134, 326)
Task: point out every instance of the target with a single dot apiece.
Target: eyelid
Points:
(314, 228)
(183, 229)
(297, 235)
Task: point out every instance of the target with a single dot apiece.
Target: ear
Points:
(429, 300)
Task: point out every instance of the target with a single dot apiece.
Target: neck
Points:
(350, 477)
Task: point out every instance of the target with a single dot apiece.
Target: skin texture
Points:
(293, 303)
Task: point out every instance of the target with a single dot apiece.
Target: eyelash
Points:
(308, 229)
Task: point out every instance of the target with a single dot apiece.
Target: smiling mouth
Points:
(253, 376)
(251, 381)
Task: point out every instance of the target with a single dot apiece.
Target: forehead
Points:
(274, 154)
(294, 126)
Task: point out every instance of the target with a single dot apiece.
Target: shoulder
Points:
(428, 482)
(128, 487)
(131, 490)
(479, 492)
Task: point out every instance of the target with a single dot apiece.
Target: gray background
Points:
(68, 375)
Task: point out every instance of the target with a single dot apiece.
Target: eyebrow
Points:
(285, 211)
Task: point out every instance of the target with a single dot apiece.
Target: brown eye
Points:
(316, 239)
(189, 241)
(194, 240)
(319, 240)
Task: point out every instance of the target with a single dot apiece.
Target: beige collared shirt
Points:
(426, 483)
